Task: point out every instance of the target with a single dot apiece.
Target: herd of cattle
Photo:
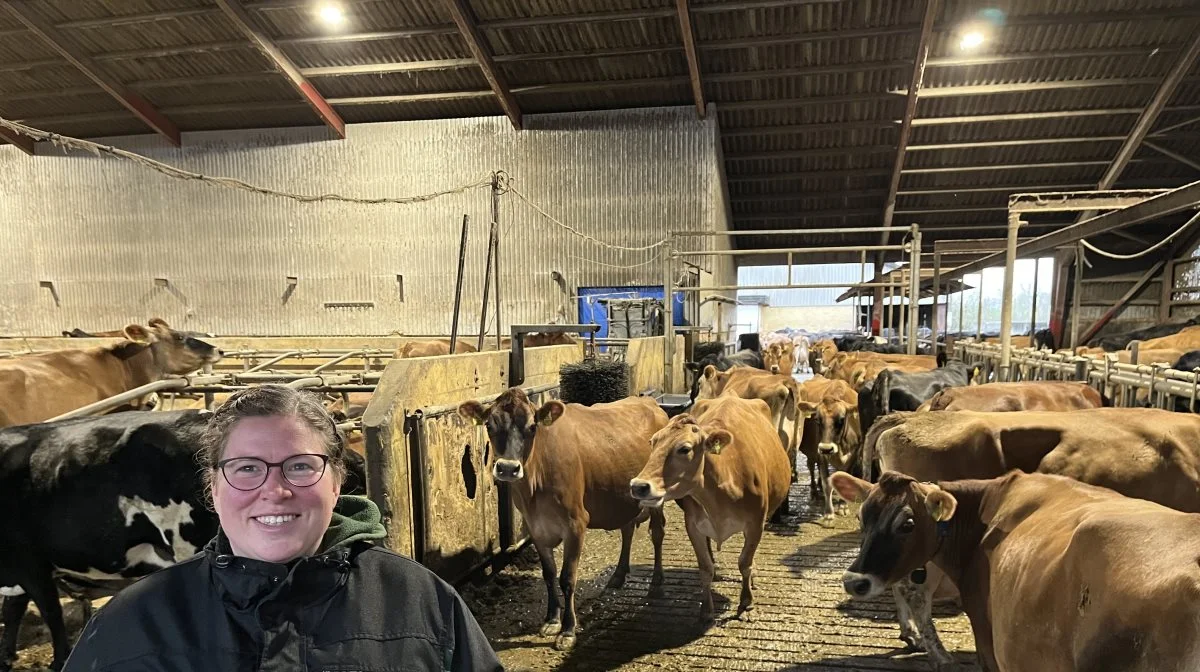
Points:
(1062, 525)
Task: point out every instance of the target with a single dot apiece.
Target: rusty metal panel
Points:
(122, 243)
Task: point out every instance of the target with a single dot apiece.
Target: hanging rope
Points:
(227, 182)
(579, 233)
(1146, 251)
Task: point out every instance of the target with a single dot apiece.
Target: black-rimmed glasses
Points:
(249, 473)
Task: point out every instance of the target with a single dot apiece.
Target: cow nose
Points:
(827, 448)
(856, 584)
(774, 369)
(508, 469)
(639, 489)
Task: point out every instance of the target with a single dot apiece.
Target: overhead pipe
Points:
(123, 398)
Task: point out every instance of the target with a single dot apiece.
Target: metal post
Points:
(979, 316)
(1076, 293)
(962, 295)
(669, 322)
(789, 268)
(914, 294)
(937, 291)
(1033, 308)
(462, 259)
(496, 253)
(887, 311)
(858, 298)
(487, 284)
(1010, 265)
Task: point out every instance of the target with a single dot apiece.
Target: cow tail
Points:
(1105, 402)
(880, 426)
(883, 392)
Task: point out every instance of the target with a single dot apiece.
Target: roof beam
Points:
(464, 18)
(816, 174)
(1013, 143)
(1014, 166)
(807, 153)
(1174, 155)
(23, 142)
(688, 32)
(128, 99)
(242, 21)
(1173, 127)
(1025, 87)
(910, 112)
(788, 216)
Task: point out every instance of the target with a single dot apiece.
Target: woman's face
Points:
(277, 521)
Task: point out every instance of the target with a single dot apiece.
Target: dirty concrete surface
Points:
(802, 619)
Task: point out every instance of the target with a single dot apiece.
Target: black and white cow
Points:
(96, 503)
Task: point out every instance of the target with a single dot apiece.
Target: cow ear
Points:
(941, 505)
(550, 412)
(850, 488)
(717, 440)
(472, 410)
(710, 372)
(137, 333)
(158, 323)
(806, 408)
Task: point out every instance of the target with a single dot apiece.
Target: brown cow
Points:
(1150, 454)
(780, 392)
(41, 386)
(780, 357)
(79, 333)
(723, 463)
(432, 348)
(569, 468)
(1055, 575)
(832, 431)
(1187, 339)
(1019, 396)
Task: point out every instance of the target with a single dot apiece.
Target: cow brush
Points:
(593, 381)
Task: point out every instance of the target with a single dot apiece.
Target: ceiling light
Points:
(971, 40)
(331, 14)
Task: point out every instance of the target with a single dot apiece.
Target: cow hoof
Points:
(551, 629)
(745, 613)
(565, 641)
(617, 580)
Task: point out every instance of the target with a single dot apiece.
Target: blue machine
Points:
(591, 311)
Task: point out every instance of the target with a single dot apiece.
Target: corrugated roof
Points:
(809, 93)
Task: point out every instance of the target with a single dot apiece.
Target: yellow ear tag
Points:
(716, 448)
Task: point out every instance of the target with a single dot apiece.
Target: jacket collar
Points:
(246, 584)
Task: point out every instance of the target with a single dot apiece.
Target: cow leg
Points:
(823, 465)
(13, 613)
(921, 603)
(44, 593)
(572, 549)
(753, 535)
(618, 577)
(658, 526)
(704, 562)
(904, 616)
(552, 624)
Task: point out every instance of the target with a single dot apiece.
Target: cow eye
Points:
(683, 450)
(907, 526)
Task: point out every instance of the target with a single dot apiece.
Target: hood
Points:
(354, 519)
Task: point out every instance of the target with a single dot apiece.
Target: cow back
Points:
(41, 386)
(756, 461)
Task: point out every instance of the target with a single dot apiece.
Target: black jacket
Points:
(353, 607)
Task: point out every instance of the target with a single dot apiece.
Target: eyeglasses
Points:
(249, 473)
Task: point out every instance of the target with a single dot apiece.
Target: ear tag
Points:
(716, 448)
(943, 529)
(918, 576)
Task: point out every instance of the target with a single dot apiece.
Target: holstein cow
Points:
(1019, 396)
(1114, 342)
(1055, 575)
(780, 392)
(832, 432)
(95, 503)
(1150, 454)
(569, 468)
(906, 391)
(724, 465)
(38, 387)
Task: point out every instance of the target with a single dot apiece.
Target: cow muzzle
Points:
(861, 586)
(508, 471)
(775, 369)
(643, 491)
(827, 448)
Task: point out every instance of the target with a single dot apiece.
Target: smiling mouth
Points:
(275, 521)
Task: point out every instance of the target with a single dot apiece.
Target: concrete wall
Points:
(812, 318)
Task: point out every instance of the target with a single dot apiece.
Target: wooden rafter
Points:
(464, 18)
(24, 142)
(910, 111)
(128, 99)
(693, 57)
(241, 19)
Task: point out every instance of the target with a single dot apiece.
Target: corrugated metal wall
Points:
(102, 230)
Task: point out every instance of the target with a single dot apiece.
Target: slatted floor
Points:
(802, 619)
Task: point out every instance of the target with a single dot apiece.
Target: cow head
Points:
(677, 454)
(512, 423)
(780, 357)
(901, 521)
(175, 352)
(837, 425)
(711, 383)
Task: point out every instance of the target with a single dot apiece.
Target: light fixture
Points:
(971, 40)
(331, 14)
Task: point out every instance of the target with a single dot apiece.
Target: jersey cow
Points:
(832, 432)
(1055, 575)
(41, 386)
(1019, 396)
(569, 468)
(1149, 454)
(723, 463)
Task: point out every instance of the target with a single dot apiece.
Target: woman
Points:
(292, 580)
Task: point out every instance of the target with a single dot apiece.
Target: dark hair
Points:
(265, 401)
